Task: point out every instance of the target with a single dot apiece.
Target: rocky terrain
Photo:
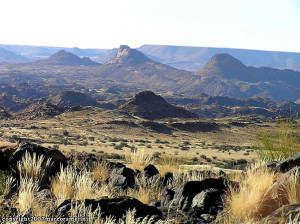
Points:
(43, 188)
(223, 75)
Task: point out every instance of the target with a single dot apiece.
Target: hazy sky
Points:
(251, 24)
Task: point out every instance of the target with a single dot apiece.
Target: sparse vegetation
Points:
(280, 145)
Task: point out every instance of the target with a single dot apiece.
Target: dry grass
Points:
(167, 164)
(27, 194)
(138, 159)
(34, 167)
(101, 172)
(254, 196)
(146, 191)
(261, 192)
(84, 185)
(62, 185)
(292, 187)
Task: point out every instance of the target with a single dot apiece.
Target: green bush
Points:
(282, 144)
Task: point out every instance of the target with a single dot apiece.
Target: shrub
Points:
(283, 144)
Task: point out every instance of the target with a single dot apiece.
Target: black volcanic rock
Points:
(151, 106)
(65, 58)
(69, 99)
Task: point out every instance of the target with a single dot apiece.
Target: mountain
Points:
(298, 101)
(151, 106)
(10, 57)
(41, 52)
(131, 66)
(70, 98)
(224, 75)
(194, 58)
(65, 58)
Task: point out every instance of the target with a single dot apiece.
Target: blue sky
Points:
(250, 24)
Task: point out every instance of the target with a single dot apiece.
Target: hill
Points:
(131, 66)
(151, 106)
(194, 58)
(224, 75)
(68, 99)
(65, 58)
(11, 57)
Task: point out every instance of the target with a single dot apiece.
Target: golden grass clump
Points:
(101, 172)
(167, 164)
(84, 185)
(291, 186)
(62, 185)
(138, 159)
(254, 196)
(27, 194)
(146, 191)
(34, 167)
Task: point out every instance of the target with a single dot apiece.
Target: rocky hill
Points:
(130, 65)
(68, 99)
(194, 58)
(151, 106)
(226, 76)
(65, 58)
(11, 57)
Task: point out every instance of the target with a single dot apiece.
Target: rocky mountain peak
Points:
(128, 56)
(226, 60)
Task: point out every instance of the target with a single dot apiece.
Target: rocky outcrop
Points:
(114, 207)
(151, 106)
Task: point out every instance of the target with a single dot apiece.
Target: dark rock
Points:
(168, 179)
(167, 197)
(207, 202)
(184, 195)
(285, 214)
(150, 171)
(122, 178)
(45, 194)
(116, 207)
(289, 163)
(155, 203)
(56, 157)
(4, 165)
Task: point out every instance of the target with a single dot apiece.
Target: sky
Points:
(248, 24)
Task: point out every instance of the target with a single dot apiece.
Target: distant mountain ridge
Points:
(180, 57)
(65, 58)
(194, 58)
(11, 57)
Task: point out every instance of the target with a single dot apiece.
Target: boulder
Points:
(208, 201)
(284, 214)
(167, 197)
(122, 178)
(289, 163)
(184, 195)
(150, 171)
(115, 207)
(56, 157)
(168, 179)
